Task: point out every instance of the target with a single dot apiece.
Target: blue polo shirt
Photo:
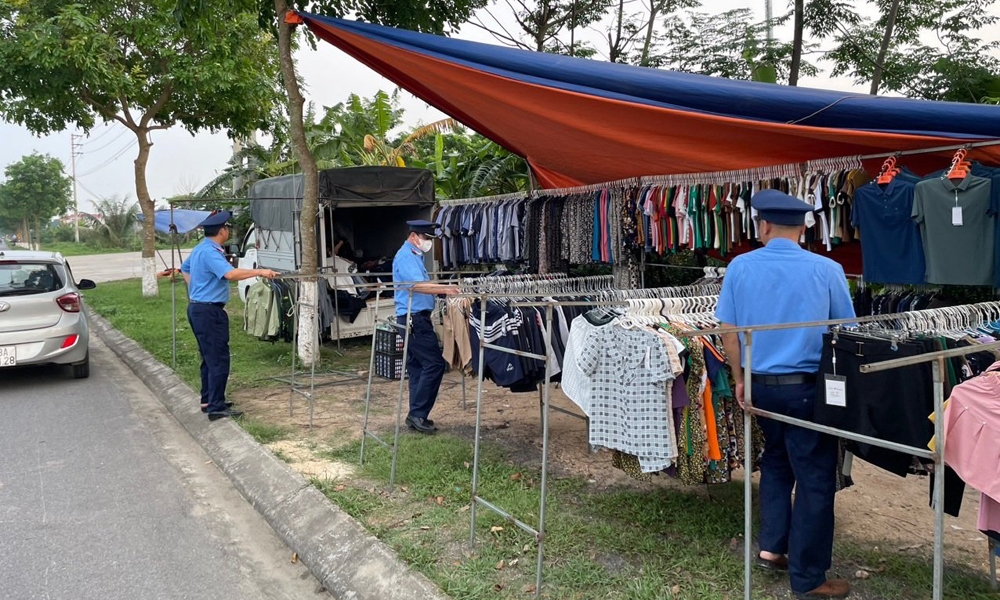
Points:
(782, 283)
(891, 247)
(207, 266)
(408, 266)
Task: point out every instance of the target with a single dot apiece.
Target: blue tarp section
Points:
(184, 220)
(691, 92)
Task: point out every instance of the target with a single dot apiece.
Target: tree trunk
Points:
(654, 12)
(38, 234)
(793, 75)
(883, 50)
(308, 293)
(616, 50)
(150, 289)
(26, 233)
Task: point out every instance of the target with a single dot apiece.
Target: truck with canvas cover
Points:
(361, 224)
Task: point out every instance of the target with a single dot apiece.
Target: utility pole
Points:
(76, 203)
(769, 16)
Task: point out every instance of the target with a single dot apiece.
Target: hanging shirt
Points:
(407, 267)
(782, 283)
(630, 406)
(891, 248)
(957, 229)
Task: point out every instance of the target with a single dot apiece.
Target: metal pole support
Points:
(748, 467)
(479, 421)
(371, 373)
(402, 386)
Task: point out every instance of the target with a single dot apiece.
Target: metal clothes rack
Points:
(520, 280)
(546, 406)
(937, 360)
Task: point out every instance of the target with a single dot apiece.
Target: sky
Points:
(182, 163)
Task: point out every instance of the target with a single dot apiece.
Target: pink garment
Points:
(989, 514)
(972, 440)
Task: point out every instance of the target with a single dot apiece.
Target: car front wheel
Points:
(82, 370)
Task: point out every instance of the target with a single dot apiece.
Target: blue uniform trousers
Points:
(210, 325)
(806, 461)
(425, 364)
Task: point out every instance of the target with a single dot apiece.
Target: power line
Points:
(108, 130)
(117, 155)
(116, 138)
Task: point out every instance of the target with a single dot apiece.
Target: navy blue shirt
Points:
(891, 247)
(207, 266)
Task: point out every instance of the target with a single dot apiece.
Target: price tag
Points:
(836, 390)
(956, 216)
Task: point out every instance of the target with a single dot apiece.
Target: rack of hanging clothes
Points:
(947, 319)
(518, 329)
(893, 405)
(893, 298)
(661, 403)
(936, 229)
(549, 301)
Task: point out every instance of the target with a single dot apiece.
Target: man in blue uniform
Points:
(208, 273)
(783, 283)
(425, 364)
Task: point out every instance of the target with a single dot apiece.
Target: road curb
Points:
(351, 563)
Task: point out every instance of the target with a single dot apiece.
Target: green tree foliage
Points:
(68, 64)
(365, 131)
(731, 44)
(935, 49)
(35, 189)
(115, 220)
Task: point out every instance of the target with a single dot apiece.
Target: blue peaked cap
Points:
(779, 208)
(217, 219)
(428, 228)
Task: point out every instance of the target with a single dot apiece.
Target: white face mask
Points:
(426, 245)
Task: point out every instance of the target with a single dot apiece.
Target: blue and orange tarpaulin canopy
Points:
(580, 121)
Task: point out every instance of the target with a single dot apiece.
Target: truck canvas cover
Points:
(274, 201)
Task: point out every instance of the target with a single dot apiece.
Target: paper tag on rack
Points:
(956, 216)
(836, 390)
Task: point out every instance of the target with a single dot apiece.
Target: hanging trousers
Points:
(425, 365)
(210, 325)
(803, 460)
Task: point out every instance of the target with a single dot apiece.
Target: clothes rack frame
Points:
(381, 288)
(937, 360)
(937, 456)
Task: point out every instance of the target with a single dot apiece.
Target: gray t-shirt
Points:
(956, 254)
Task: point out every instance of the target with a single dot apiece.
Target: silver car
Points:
(41, 312)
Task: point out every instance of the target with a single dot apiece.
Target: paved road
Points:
(104, 496)
(111, 267)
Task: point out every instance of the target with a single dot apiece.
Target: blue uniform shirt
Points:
(782, 283)
(408, 266)
(207, 266)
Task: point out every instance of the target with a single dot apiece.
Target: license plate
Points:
(8, 356)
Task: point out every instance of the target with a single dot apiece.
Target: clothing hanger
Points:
(960, 167)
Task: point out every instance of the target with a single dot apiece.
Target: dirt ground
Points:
(887, 511)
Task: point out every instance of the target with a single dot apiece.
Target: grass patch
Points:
(83, 249)
(148, 322)
(621, 544)
(264, 433)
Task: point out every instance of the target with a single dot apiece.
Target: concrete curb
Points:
(349, 562)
